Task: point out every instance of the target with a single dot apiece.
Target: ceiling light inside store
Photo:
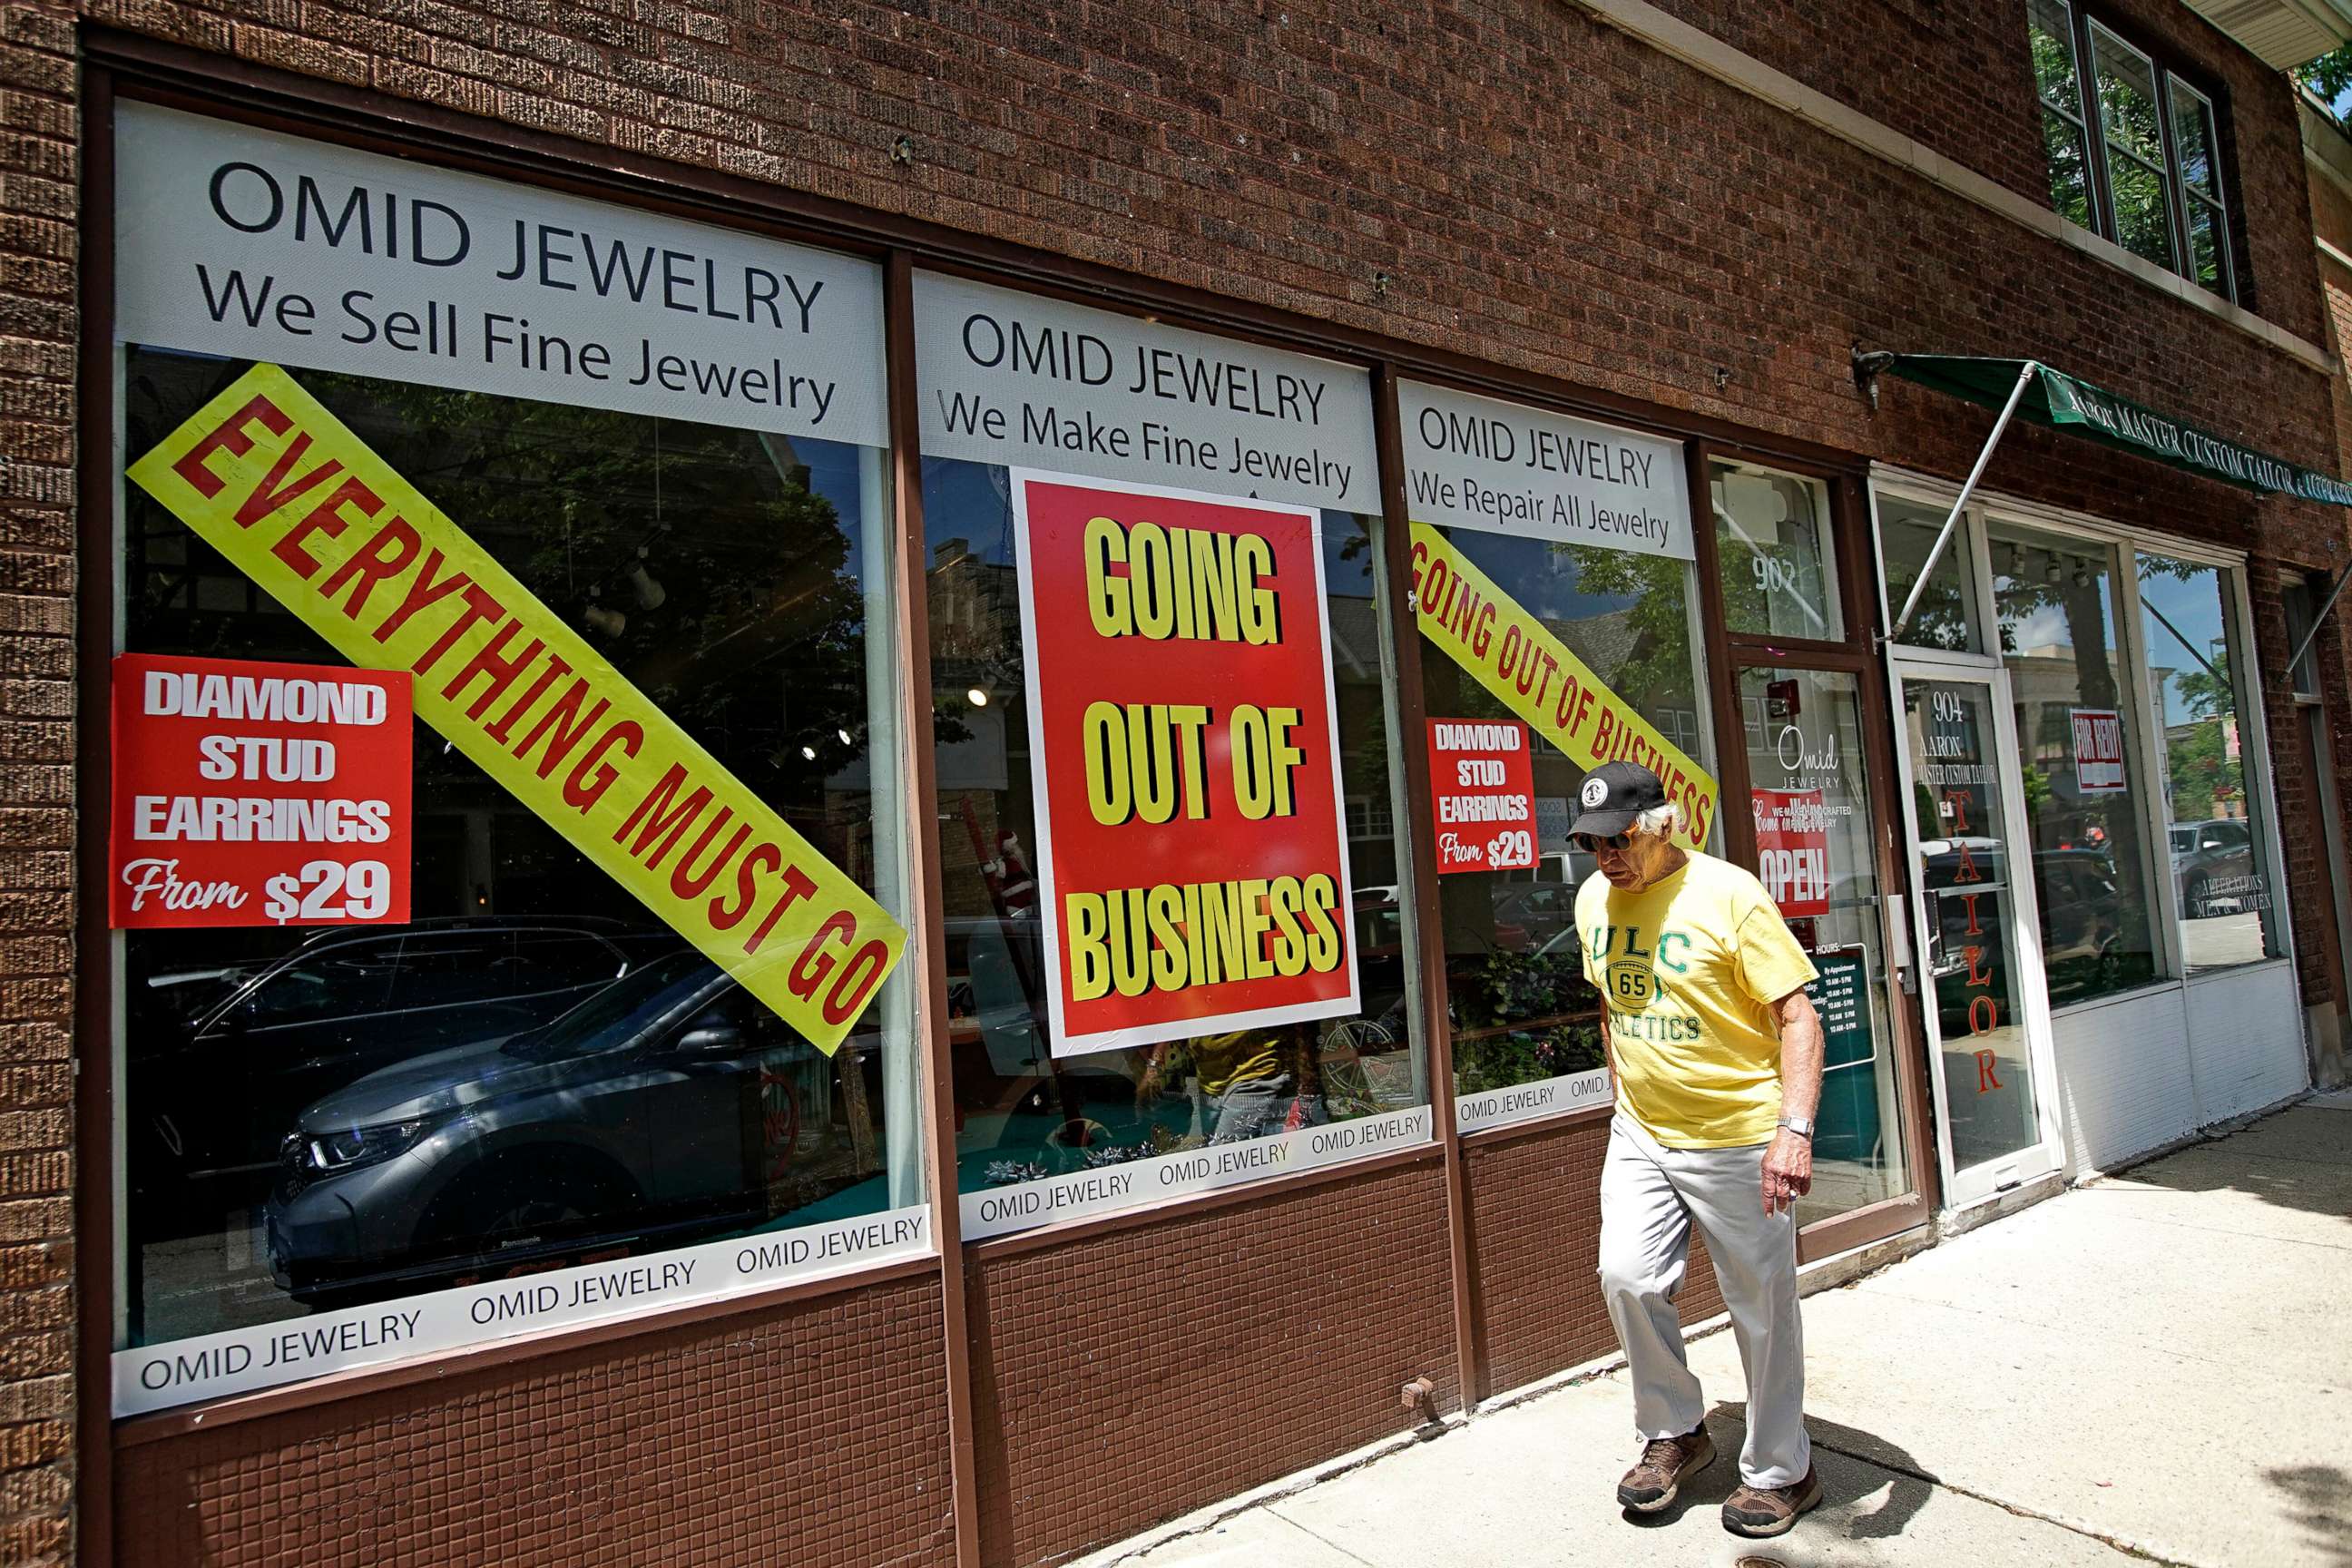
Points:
(844, 737)
(650, 593)
(976, 696)
(809, 751)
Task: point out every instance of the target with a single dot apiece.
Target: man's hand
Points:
(1788, 1171)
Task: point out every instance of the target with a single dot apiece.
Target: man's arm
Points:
(1789, 1163)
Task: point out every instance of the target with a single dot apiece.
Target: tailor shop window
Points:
(1555, 595)
(2216, 841)
(2078, 735)
(1176, 924)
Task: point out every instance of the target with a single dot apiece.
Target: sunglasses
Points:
(1588, 842)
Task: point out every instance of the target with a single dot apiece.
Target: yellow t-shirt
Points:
(1689, 968)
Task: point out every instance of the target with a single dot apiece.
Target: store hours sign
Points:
(1185, 757)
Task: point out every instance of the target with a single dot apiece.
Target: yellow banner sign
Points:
(279, 486)
(1515, 656)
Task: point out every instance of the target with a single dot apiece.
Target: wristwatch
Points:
(1802, 1126)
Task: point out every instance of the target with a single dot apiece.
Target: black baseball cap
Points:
(1612, 795)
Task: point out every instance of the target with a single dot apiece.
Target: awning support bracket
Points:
(1943, 539)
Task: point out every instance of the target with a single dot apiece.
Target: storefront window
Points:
(2219, 862)
(1520, 1008)
(1815, 853)
(1945, 614)
(1780, 574)
(1554, 592)
(2085, 799)
(1115, 865)
(504, 1053)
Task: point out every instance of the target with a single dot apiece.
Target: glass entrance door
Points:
(1981, 987)
(1817, 836)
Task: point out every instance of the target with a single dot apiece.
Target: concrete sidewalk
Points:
(2157, 1366)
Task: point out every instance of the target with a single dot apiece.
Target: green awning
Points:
(2062, 402)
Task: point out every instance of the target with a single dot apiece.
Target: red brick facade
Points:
(1510, 182)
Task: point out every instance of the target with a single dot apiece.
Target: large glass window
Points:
(1025, 1114)
(2085, 798)
(1945, 614)
(1773, 537)
(2219, 862)
(1517, 1003)
(1079, 1083)
(533, 1072)
(585, 1004)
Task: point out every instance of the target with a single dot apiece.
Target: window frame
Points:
(2087, 32)
(2147, 753)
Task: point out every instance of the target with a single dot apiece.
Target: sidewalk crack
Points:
(1319, 1535)
(2084, 1528)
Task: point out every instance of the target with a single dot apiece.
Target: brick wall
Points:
(1538, 189)
(1956, 75)
(38, 168)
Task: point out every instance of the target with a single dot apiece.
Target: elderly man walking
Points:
(1718, 1057)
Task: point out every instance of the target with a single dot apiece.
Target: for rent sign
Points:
(285, 490)
(1184, 753)
(2099, 750)
(258, 794)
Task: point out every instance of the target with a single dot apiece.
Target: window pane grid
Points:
(2156, 188)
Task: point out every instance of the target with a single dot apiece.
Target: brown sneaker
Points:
(1753, 1511)
(1665, 1464)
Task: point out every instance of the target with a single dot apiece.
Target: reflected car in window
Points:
(226, 1059)
(2213, 868)
(671, 1106)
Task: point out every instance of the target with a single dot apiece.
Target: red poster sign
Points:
(1793, 850)
(250, 795)
(1482, 789)
(2099, 750)
(1184, 753)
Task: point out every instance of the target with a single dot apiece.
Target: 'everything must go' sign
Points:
(1184, 746)
(1518, 659)
(249, 794)
(281, 488)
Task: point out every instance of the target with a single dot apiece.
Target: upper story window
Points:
(2134, 150)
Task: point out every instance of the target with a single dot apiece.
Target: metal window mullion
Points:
(2175, 183)
(2155, 804)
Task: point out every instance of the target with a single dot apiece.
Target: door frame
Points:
(1856, 555)
(2046, 1155)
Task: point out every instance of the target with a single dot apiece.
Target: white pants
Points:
(1649, 1196)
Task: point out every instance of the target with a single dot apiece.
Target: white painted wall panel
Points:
(2246, 1040)
(2123, 1079)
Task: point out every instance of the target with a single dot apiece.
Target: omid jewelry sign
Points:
(1185, 749)
(249, 794)
(285, 490)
